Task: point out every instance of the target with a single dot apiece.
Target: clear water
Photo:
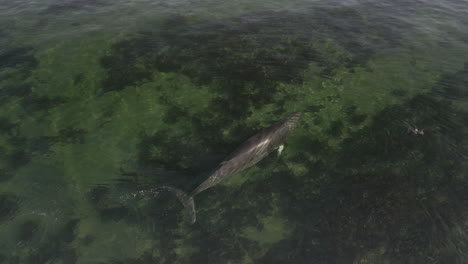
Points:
(102, 101)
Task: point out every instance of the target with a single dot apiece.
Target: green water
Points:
(103, 101)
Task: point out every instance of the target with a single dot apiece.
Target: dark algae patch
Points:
(18, 151)
(16, 65)
(16, 154)
(454, 86)
(65, 136)
(248, 55)
(57, 249)
(352, 116)
(5, 175)
(19, 90)
(60, 7)
(27, 230)
(37, 245)
(126, 62)
(21, 58)
(41, 103)
(8, 206)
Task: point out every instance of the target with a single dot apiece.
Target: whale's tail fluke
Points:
(186, 200)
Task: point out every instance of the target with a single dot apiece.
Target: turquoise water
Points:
(104, 101)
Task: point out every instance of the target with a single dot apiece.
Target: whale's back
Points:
(251, 151)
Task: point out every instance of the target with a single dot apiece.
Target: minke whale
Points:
(246, 155)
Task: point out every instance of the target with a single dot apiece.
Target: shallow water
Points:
(104, 101)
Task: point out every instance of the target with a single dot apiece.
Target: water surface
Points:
(103, 101)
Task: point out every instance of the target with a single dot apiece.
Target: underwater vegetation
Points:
(27, 230)
(453, 87)
(375, 172)
(363, 201)
(18, 151)
(20, 90)
(248, 56)
(235, 50)
(60, 6)
(243, 59)
(14, 154)
(40, 103)
(364, 198)
(8, 206)
(376, 196)
(16, 68)
(17, 62)
(22, 56)
(55, 249)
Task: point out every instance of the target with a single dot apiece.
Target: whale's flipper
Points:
(280, 149)
(186, 200)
